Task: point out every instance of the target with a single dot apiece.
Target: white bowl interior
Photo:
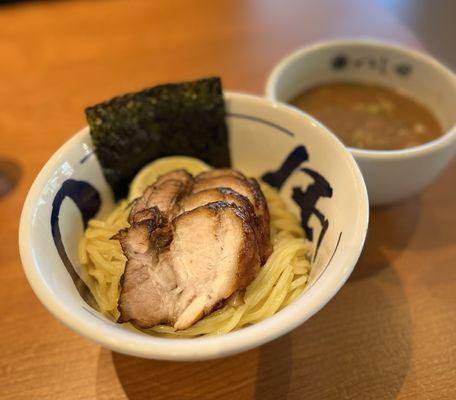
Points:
(263, 134)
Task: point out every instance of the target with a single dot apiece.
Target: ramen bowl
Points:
(390, 175)
(289, 149)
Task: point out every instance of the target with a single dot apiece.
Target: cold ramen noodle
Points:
(195, 251)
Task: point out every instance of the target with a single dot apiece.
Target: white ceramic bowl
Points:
(262, 135)
(390, 176)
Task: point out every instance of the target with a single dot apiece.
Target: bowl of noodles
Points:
(318, 216)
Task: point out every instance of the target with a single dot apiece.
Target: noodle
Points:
(280, 281)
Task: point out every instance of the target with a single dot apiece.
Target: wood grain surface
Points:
(390, 333)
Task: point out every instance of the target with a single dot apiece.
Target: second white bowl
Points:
(390, 176)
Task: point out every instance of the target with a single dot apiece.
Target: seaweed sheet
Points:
(172, 119)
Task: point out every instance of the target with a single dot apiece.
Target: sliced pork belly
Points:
(180, 175)
(148, 292)
(217, 194)
(240, 185)
(215, 173)
(262, 213)
(192, 244)
(214, 254)
(164, 194)
(248, 188)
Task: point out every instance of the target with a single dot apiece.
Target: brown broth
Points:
(370, 116)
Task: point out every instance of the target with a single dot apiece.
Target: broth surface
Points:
(369, 116)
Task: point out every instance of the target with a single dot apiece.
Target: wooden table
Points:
(390, 332)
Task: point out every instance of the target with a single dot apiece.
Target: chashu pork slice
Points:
(177, 273)
(164, 194)
(217, 194)
(215, 173)
(214, 254)
(226, 195)
(148, 286)
(249, 188)
(192, 244)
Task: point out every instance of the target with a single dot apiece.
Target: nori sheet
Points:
(173, 119)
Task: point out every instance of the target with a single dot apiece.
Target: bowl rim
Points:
(366, 154)
(186, 349)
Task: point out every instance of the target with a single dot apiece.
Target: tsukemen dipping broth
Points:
(370, 116)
